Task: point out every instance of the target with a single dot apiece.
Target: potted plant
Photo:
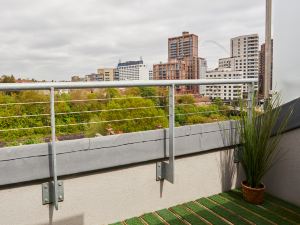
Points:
(259, 137)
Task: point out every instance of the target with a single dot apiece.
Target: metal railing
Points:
(165, 170)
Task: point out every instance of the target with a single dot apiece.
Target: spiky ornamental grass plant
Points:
(260, 139)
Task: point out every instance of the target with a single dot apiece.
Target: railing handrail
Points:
(165, 170)
(118, 84)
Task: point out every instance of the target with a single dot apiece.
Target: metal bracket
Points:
(47, 192)
(237, 154)
(164, 170)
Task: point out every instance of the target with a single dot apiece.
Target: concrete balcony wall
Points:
(283, 180)
(113, 195)
(112, 178)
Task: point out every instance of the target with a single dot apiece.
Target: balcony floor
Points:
(225, 208)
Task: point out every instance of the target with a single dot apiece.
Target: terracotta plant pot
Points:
(253, 195)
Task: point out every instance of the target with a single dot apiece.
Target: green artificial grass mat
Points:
(134, 221)
(225, 208)
(170, 217)
(238, 198)
(152, 219)
(187, 215)
(233, 218)
(204, 213)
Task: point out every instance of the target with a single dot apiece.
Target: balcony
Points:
(101, 180)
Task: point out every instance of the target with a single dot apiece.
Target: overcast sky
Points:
(56, 39)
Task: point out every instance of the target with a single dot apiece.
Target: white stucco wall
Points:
(283, 180)
(110, 196)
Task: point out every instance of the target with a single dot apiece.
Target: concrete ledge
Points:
(32, 162)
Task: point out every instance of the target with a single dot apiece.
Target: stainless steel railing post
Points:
(250, 100)
(53, 150)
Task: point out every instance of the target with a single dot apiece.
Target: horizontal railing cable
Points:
(110, 121)
(83, 123)
(23, 103)
(108, 99)
(25, 128)
(80, 100)
(83, 112)
(204, 112)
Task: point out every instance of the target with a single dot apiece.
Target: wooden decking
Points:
(224, 208)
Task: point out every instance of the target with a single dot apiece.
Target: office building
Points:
(133, 70)
(106, 74)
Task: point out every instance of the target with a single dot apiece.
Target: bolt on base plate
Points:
(48, 192)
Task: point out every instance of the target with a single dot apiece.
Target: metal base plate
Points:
(164, 171)
(48, 192)
(237, 154)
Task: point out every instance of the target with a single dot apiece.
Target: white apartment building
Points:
(150, 74)
(202, 74)
(133, 70)
(225, 92)
(227, 63)
(245, 53)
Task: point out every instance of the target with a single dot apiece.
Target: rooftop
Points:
(130, 63)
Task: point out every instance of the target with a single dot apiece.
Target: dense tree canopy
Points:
(89, 113)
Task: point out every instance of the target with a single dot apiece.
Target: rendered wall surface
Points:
(105, 197)
(283, 180)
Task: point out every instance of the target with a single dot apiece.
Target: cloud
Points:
(55, 39)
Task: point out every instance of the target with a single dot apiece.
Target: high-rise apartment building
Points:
(245, 51)
(243, 63)
(183, 61)
(133, 70)
(202, 74)
(262, 60)
(227, 63)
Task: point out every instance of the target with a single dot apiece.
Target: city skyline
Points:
(78, 40)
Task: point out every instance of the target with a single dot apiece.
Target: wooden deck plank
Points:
(152, 219)
(203, 212)
(239, 210)
(222, 212)
(169, 217)
(187, 216)
(237, 197)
